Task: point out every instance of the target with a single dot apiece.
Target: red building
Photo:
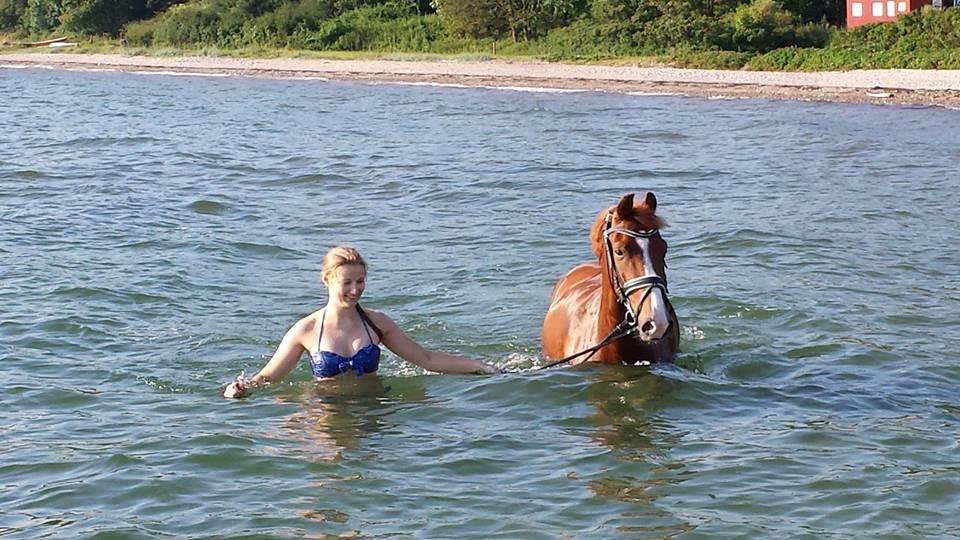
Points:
(874, 11)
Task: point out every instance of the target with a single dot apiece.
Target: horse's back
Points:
(575, 277)
(569, 324)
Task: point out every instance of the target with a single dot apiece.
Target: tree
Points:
(41, 15)
(477, 18)
(521, 19)
(100, 16)
(11, 11)
(831, 11)
(761, 25)
(631, 12)
(681, 23)
(81, 16)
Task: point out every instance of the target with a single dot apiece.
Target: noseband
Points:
(625, 288)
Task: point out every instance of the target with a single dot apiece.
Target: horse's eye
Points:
(618, 252)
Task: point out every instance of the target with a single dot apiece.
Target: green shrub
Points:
(686, 57)
(926, 38)
(761, 25)
(785, 59)
(680, 28)
(586, 39)
(140, 33)
(924, 29)
(385, 27)
(187, 24)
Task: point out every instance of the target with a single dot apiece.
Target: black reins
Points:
(623, 289)
(622, 330)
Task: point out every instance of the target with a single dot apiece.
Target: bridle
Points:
(624, 289)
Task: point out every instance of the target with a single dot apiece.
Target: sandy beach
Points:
(899, 87)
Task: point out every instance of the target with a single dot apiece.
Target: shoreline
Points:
(927, 88)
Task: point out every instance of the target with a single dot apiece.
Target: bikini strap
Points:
(367, 324)
(320, 336)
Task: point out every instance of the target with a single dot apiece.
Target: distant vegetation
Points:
(757, 34)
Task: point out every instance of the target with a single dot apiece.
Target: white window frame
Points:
(877, 9)
(856, 9)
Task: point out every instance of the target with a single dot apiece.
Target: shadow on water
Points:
(626, 400)
(601, 453)
(336, 415)
(628, 419)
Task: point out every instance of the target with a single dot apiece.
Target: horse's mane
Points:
(642, 216)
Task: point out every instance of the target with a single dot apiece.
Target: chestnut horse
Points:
(616, 310)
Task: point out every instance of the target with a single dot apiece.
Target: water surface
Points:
(160, 233)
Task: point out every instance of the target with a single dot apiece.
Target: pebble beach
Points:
(940, 88)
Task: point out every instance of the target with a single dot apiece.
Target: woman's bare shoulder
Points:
(309, 323)
(378, 317)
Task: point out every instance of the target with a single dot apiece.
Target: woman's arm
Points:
(284, 359)
(405, 347)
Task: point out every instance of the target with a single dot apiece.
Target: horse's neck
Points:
(610, 314)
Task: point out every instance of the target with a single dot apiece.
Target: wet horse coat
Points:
(621, 298)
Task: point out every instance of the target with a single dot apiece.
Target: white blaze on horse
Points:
(616, 310)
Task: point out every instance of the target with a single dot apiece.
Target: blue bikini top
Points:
(331, 364)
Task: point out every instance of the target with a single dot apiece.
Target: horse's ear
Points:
(650, 202)
(625, 207)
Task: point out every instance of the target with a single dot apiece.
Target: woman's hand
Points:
(487, 369)
(233, 391)
(238, 388)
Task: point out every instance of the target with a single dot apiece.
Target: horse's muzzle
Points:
(652, 351)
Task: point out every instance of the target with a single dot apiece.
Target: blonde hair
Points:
(339, 256)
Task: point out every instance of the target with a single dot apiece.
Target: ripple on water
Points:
(329, 181)
(261, 249)
(208, 207)
(814, 351)
(108, 296)
(29, 174)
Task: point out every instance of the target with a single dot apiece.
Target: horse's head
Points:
(626, 239)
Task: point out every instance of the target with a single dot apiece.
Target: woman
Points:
(343, 337)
